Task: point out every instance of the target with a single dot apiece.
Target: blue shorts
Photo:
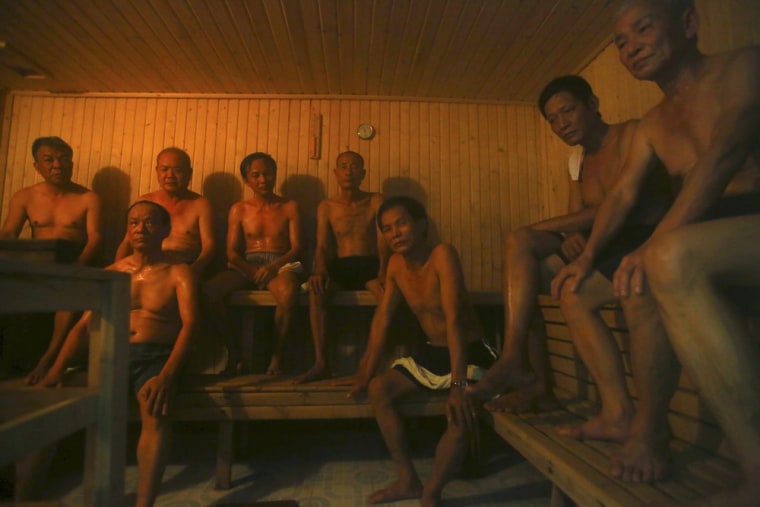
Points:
(146, 360)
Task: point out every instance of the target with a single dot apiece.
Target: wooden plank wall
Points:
(479, 168)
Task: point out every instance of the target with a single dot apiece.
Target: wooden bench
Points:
(261, 397)
(702, 459)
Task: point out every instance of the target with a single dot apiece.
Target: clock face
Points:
(365, 131)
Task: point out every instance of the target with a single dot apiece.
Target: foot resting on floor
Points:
(396, 491)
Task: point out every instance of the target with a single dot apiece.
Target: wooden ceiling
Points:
(493, 50)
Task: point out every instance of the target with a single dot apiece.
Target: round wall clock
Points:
(365, 131)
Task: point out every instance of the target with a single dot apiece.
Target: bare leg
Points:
(644, 456)
(383, 391)
(536, 396)
(152, 455)
(62, 323)
(217, 314)
(524, 250)
(449, 456)
(597, 348)
(717, 351)
(284, 288)
(318, 321)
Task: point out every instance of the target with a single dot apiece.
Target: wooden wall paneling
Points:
(421, 125)
(436, 170)
(6, 106)
(491, 193)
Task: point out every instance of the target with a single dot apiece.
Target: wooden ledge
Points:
(345, 298)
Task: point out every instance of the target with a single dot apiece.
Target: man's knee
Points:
(521, 239)
(666, 262)
(284, 288)
(379, 389)
(572, 302)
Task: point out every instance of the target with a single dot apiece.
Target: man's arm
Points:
(14, 222)
(94, 230)
(613, 211)
(318, 280)
(207, 236)
(159, 389)
(734, 135)
(235, 241)
(459, 408)
(386, 307)
(578, 217)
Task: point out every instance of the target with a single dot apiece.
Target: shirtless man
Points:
(263, 247)
(348, 221)
(431, 281)
(192, 235)
(162, 323)
(56, 208)
(706, 131)
(535, 253)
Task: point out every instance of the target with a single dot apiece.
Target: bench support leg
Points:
(224, 454)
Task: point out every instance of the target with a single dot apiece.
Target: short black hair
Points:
(572, 84)
(54, 142)
(245, 165)
(166, 218)
(412, 206)
(353, 154)
(178, 151)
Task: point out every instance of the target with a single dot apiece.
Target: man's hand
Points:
(357, 384)
(38, 373)
(573, 245)
(156, 393)
(460, 409)
(318, 283)
(574, 274)
(264, 275)
(630, 277)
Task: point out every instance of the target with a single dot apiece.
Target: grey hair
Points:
(674, 7)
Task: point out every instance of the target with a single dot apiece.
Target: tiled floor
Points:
(322, 464)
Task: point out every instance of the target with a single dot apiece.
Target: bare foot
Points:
(316, 372)
(641, 461)
(501, 377)
(530, 398)
(596, 428)
(274, 367)
(396, 491)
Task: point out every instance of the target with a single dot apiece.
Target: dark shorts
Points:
(627, 240)
(430, 366)
(146, 360)
(353, 273)
(68, 252)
